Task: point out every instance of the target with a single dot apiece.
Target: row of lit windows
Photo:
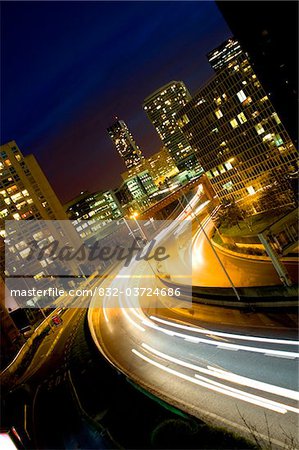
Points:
(249, 138)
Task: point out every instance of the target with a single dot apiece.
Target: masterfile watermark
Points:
(139, 249)
(120, 263)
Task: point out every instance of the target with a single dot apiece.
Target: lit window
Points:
(250, 190)
(278, 141)
(255, 113)
(16, 216)
(276, 118)
(268, 137)
(241, 96)
(228, 186)
(218, 113)
(228, 165)
(234, 123)
(264, 99)
(215, 172)
(218, 101)
(4, 213)
(25, 253)
(242, 117)
(259, 128)
(185, 119)
(16, 197)
(221, 168)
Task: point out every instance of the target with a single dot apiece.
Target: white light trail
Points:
(225, 335)
(228, 376)
(259, 401)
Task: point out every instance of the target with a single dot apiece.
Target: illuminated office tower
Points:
(162, 108)
(125, 144)
(239, 138)
(92, 212)
(160, 166)
(222, 55)
(272, 44)
(26, 194)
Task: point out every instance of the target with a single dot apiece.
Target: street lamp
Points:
(134, 216)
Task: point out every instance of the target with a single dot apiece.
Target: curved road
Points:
(207, 270)
(237, 380)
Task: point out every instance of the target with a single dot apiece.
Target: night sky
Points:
(68, 68)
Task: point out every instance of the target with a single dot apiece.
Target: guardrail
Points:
(255, 297)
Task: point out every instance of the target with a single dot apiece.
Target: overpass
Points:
(157, 209)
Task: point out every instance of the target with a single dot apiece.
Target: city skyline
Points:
(65, 122)
(149, 225)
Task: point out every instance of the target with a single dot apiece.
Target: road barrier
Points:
(252, 297)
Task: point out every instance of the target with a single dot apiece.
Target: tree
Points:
(230, 215)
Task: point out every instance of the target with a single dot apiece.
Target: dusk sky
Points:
(68, 68)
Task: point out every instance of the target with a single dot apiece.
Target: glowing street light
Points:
(134, 215)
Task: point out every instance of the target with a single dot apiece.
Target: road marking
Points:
(281, 356)
(245, 381)
(259, 401)
(228, 346)
(192, 339)
(224, 347)
(225, 335)
(54, 342)
(228, 376)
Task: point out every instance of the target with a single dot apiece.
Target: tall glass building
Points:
(239, 138)
(125, 143)
(222, 55)
(162, 108)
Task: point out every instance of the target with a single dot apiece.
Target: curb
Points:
(252, 257)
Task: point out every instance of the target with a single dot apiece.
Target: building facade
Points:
(135, 192)
(25, 192)
(269, 33)
(162, 108)
(238, 136)
(221, 56)
(26, 195)
(160, 166)
(125, 144)
(90, 213)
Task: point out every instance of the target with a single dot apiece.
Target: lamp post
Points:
(134, 217)
(213, 248)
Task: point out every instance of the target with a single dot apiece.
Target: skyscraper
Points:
(222, 55)
(162, 108)
(92, 212)
(125, 144)
(269, 33)
(26, 194)
(160, 166)
(238, 136)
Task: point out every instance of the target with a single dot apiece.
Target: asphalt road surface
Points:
(243, 380)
